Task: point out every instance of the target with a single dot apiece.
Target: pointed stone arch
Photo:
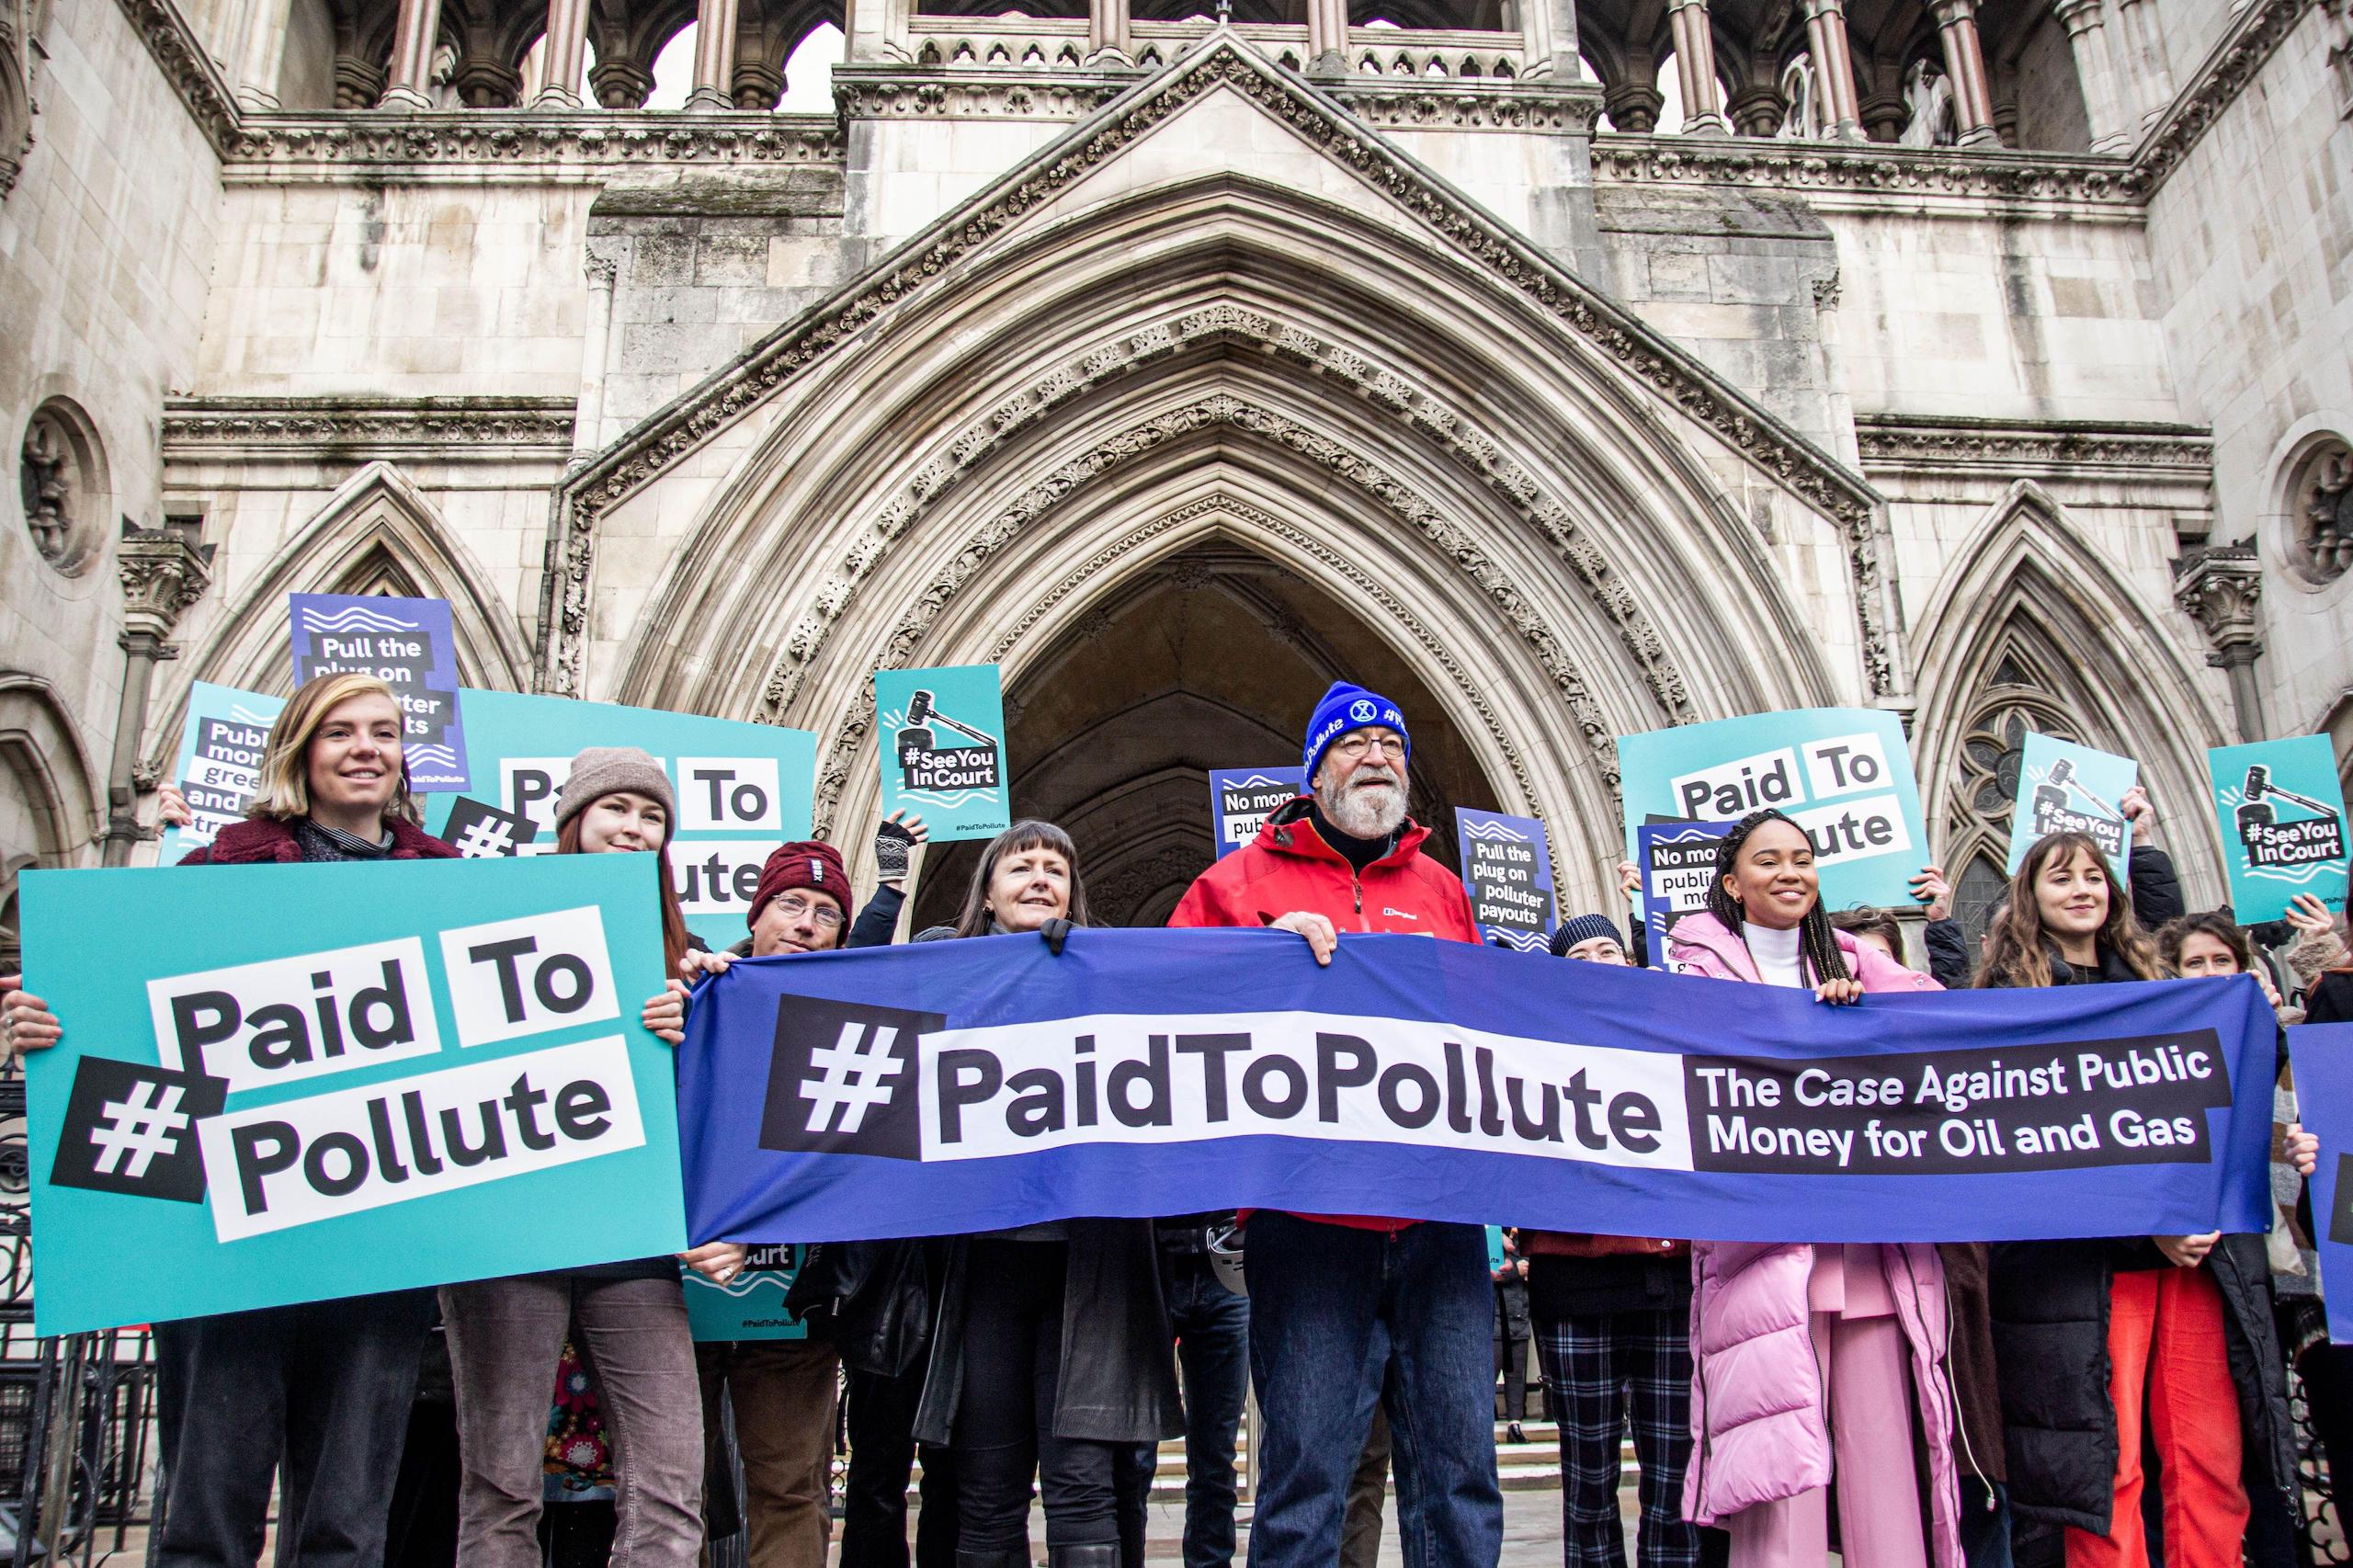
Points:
(2032, 621)
(377, 533)
(54, 806)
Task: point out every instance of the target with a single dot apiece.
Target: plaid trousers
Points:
(1596, 1366)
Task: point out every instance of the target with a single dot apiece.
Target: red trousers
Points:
(2166, 1344)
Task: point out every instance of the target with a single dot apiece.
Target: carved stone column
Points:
(877, 30)
(567, 50)
(2221, 589)
(264, 50)
(164, 571)
(1695, 68)
(1757, 111)
(595, 340)
(1833, 68)
(1547, 38)
(1972, 91)
(2144, 51)
(714, 56)
(1107, 30)
(412, 69)
(2087, 27)
(1328, 37)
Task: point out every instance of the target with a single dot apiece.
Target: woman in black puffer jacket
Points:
(2083, 1328)
(1050, 1352)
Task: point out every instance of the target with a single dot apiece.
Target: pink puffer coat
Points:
(1759, 1431)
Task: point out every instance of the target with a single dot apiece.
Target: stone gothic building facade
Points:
(1562, 368)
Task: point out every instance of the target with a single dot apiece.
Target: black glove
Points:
(892, 846)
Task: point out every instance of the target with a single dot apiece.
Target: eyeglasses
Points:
(1351, 747)
(825, 916)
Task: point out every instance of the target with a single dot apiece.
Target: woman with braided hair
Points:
(1808, 1362)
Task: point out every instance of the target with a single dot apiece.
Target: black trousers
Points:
(1004, 1414)
(324, 1386)
(881, 1455)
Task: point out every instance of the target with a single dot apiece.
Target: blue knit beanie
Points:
(1348, 707)
(1584, 928)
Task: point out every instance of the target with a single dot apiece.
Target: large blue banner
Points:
(2322, 1055)
(966, 1085)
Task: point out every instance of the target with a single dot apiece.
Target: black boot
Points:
(1095, 1554)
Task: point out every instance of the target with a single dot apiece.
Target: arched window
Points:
(2015, 703)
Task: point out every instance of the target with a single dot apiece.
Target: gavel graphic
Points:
(923, 710)
(2255, 811)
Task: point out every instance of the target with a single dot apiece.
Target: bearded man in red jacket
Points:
(1348, 1314)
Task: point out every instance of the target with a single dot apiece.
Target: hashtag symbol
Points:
(847, 1078)
(485, 838)
(129, 1132)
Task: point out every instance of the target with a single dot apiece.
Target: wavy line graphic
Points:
(445, 756)
(247, 716)
(1494, 830)
(948, 801)
(356, 619)
(1524, 941)
(1258, 778)
(1690, 836)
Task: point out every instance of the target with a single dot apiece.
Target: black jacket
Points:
(2049, 1302)
(1116, 1383)
(1950, 963)
(2330, 1001)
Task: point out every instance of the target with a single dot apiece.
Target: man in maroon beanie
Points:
(783, 1389)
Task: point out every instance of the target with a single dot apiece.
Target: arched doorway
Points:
(1209, 657)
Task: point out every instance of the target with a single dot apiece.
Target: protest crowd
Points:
(2106, 1400)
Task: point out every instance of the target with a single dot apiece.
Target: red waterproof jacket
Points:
(1288, 867)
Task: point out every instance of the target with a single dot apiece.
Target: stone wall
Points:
(2251, 243)
(106, 247)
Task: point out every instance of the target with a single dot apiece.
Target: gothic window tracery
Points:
(2016, 701)
(2322, 492)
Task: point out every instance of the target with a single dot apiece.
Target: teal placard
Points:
(751, 1305)
(741, 789)
(2066, 787)
(2282, 812)
(219, 761)
(1844, 774)
(248, 1106)
(943, 755)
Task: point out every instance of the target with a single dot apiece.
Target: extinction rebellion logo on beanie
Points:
(843, 1080)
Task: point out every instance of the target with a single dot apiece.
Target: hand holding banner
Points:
(378, 1075)
(976, 1084)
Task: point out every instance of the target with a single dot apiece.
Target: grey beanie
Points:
(1584, 928)
(606, 770)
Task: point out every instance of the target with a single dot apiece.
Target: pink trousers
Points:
(1867, 1377)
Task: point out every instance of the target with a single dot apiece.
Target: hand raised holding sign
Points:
(26, 1021)
(2139, 814)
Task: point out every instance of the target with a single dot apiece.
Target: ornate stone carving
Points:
(46, 474)
(2322, 496)
(2260, 29)
(187, 66)
(163, 570)
(2008, 447)
(268, 148)
(854, 311)
(17, 105)
(1870, 169)
(453, 429)
(2221, 589)
(841, 750)
(1520, 489)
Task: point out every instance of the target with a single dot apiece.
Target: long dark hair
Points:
(1030, 833)
(1816, 939)
(2017, 953)
(673, 921)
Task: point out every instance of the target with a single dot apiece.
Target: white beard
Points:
(1366, 813)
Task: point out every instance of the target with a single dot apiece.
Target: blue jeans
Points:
(1340, 1319)
(1213, 1328)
